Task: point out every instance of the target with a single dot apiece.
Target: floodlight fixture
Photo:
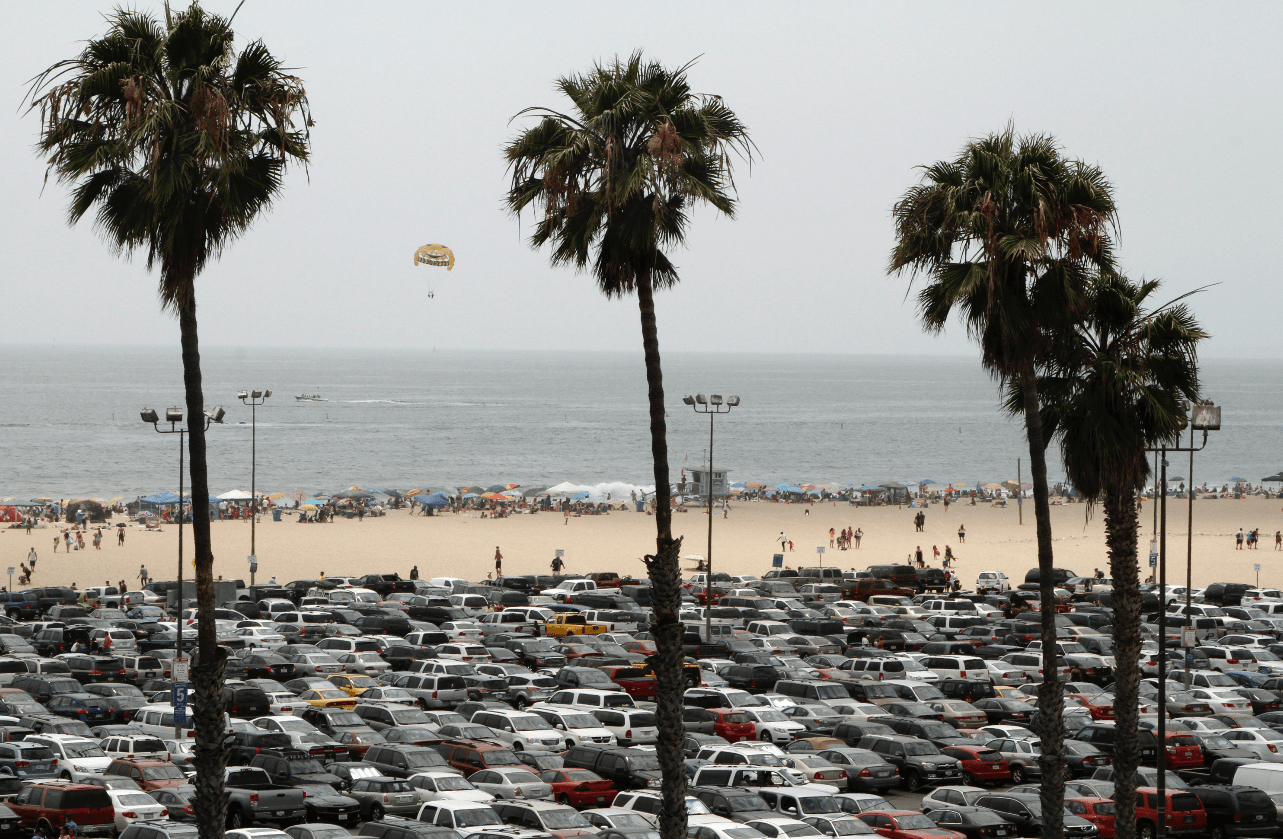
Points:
(150, 415)
(173, 415)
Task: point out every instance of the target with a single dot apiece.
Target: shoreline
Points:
(743, 543)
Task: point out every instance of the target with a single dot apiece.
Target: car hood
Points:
(321, 794)
(943, 761)
(319, 779)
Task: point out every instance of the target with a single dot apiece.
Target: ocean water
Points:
(69, 423)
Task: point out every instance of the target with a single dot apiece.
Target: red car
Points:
(1185, 813)
(643, 647)
(732, 725)
(1183, 751)
(979, 764)
(633, 680)
(1098, 811)
(579, 787)
(905, 824)
(48, 805)
(1100, 706)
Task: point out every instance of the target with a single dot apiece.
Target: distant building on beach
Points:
(698, 485)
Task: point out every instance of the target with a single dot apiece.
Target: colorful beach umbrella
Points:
(753, 485)
(496, 496)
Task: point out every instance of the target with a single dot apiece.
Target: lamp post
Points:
(712, 406)
(253, 398)
(174, 416)
(1203, 417)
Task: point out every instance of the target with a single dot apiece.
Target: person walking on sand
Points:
(98, 540)
(832, 537)
(66, 538)
(859, 534)
(917, 557)
(1278, 540)
(962, 534)
(142, 575)
(936, 553)
(31, 556)
(1238, 539)
(783, 540)
(120, 537)
(557, 565)
(498, 562)
(56, 539)
(414, 573)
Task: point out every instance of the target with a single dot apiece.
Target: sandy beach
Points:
(743, 542)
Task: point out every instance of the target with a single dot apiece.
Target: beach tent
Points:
(1275, 478)
(235, 495)
(435, 499)
(355, 494)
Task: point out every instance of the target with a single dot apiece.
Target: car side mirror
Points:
(561, 727)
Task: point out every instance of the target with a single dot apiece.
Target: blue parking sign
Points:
(180, 696)
(180, 715)
(777, 561)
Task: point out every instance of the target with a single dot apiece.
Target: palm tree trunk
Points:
(1121, 525)
(209, 663)
(1051, 702)
(665, 574)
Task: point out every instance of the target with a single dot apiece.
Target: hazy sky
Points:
(1177, 102)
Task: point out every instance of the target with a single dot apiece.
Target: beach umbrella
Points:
(531, 492)
(435, 499)
(737, 486)
(514, 486)
(470, 495)
(235, 495)
(307, 506)
(496, 496)
(784, 487)
(355, 494)
(1238, 480)
(753, 485)
(298, 495)
(497, 488)
(472, 490)
(927, 482)
(579, 496)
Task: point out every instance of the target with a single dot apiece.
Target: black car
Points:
(403, 656)
(966, 690)
(260, 665)
(920, 763)
(1263, 701)
(973, 822)
(244, 745)
(1238, 811)
(1024, 810)
(754, 678)
(1006, 711)
(245, 701)
(737, 804)
(934, 731)
(628, 768)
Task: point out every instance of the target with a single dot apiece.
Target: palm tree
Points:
(1006, 234)
(1113, 387)
(611, 186)
(177, 143)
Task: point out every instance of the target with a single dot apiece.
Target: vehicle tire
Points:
(235, 818)
(968, 779)
(1217, 832)
(376, 813)
(1018, 774)
(1145, 830)
(564, 799)
(912, 781)
(43, 827)
(517, 747)
(521, 703)
(66, 776)
(570, 744)
(765, 737)
(311, 815)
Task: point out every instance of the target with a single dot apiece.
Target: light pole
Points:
(1203, 417)
(174, 416)
(253, 398)
(712, 406)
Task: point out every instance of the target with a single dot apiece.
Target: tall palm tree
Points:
(1005, 235)
(611, 185)
(1113, 387)
(177, 143)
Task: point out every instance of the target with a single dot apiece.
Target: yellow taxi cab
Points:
(326, 698)
(352, 685)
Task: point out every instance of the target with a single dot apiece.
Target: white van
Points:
(473, 605)
(1267, 777)
(158, 721)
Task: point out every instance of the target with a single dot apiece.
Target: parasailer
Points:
(434, 255)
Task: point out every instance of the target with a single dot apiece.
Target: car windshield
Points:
(529, 723)
(746, 803)
(849, 827)
(801, 830)
(306, 766)
(919, 749)
(770, 715)
(563, 819)
(816, 805)
(163, 772)
(643, 763)
(579, 721)
(741, 833)
(917, 822)
(631, 821)
(476, 817)
(83, 750)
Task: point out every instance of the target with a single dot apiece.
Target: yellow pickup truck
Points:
(562, 626)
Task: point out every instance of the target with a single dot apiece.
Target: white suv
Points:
(573, 725)
(520, 730)
(79, 758)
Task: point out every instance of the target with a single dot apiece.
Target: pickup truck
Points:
(1220, 772)
(635, 681)
(294, 768)
(252, 797)
(564, 625)
(864, 588)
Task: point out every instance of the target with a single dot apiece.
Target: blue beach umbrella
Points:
(579, 496)
(469, 495)
(868, 488)
(436, 499)
(1238, 480)
(785, 487)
